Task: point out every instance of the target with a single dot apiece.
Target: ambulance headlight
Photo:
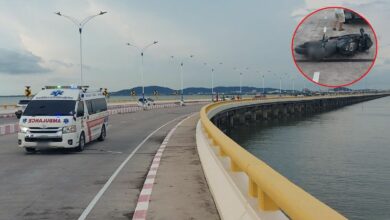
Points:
(69, 129)
(23, 129)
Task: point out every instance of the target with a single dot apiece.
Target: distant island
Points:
(228, 90)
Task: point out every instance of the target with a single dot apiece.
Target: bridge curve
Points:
(274, 193)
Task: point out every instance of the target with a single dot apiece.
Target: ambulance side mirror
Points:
(18, 114)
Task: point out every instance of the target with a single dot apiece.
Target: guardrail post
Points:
(221, 153)
(234, 167)
(265, 202)
(252, 188)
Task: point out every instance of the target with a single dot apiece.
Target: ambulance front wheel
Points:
(81, 143)
(102, 134)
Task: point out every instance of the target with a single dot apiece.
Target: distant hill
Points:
(148, 91)
(193, 90)
(342, 89)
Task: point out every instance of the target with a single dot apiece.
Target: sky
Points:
(38, 47)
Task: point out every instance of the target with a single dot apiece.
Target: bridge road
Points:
(60, 184)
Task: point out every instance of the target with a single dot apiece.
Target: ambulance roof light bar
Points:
(67, 87)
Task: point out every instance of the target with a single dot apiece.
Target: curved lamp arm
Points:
(79, 24)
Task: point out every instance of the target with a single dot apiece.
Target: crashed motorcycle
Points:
(346, 45)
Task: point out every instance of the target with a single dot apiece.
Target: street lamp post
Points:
(293, 85)
(142, 51)
(263, 85)
(281, 75)
(240, 84)
(280, 82)
(280, 85)
(80, 26)
(182, 80)
(212, 84)
(181, 84)
(262, 76)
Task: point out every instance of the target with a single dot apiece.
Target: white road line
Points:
(143, 206)
(92, 204)
(316, 77)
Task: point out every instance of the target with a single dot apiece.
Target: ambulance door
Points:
(81, 115)
(89, 122)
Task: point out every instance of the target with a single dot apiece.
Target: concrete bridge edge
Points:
(228, 189)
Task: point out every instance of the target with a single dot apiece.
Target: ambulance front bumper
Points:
(55, 140)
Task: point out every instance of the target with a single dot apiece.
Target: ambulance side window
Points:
(90, 107)
(80, 109)
(99, 105)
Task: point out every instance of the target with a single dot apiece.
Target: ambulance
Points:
(63, 117)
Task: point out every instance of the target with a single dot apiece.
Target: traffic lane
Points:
(120, 199)
(59, 184)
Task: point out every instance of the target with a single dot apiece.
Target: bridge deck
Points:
(180, 190)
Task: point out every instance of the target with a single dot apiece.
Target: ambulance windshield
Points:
(50, 108)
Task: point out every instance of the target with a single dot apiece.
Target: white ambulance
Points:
(63, 117)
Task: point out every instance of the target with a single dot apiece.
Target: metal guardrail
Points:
(273, 191)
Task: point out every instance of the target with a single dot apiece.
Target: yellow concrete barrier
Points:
(273, 191)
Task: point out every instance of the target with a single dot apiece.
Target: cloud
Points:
(62, 63)
(15, 62)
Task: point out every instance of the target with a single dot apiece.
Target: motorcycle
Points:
(346, 45)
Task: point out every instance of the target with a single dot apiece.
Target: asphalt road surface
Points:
(60, 184)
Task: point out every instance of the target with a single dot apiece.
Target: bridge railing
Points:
(272, 190)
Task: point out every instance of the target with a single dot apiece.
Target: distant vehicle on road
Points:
(63, 117)
(145, 102)
(259, 96)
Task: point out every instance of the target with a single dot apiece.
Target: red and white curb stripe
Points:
(146, 192)
(9, 129)
(8, 115)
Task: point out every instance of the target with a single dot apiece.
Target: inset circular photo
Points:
(334, 47)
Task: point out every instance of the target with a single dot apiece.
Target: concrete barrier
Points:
(14, 128)
(124, 108)
(227, 187)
